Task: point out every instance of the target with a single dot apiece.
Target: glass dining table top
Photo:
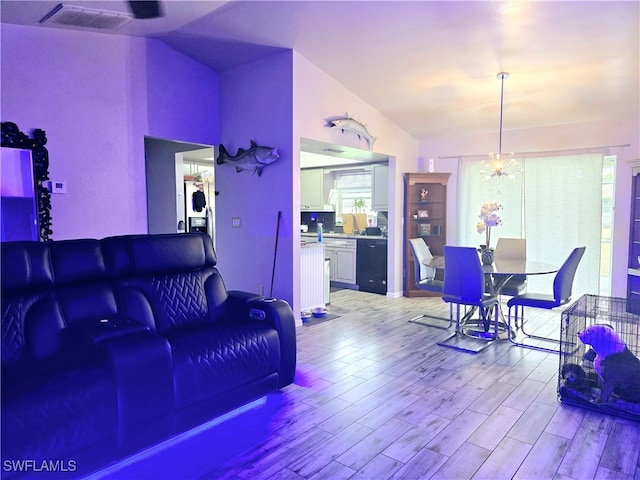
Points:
(507, 267)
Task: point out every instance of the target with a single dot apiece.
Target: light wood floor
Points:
(376, 398)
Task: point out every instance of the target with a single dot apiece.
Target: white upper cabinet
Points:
(312, 189)
(380, 188)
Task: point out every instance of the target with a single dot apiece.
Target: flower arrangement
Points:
(488, 219)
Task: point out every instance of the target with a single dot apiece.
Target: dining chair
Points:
(508, 249)
(425, 277)
(562, 288)
(464, 286)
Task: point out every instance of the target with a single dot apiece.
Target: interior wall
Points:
(558, 137)
(318, 97)
(97, 95)
(256, 104)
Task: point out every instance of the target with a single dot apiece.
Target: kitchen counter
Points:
(310, 243)
(313, 237)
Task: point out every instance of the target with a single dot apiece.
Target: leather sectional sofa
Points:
(109, 346)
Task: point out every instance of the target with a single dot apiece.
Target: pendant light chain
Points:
(501, 76)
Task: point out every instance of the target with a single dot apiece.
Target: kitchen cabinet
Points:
(425, 215)
(380, 188)
(312, 189)
(342, 255)
(312, 276)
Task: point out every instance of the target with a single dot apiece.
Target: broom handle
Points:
(275, 252)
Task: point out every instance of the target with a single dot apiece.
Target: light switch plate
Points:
(56, 187)
(236, 222)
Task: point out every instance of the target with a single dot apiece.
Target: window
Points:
(555, 202)
(355, 189)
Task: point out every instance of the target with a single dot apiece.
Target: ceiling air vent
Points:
(72, 15)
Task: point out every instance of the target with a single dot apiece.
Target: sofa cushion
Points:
(49, 417)
(209, 361)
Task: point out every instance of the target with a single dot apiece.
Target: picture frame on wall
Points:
(423, 214)
(424, 229)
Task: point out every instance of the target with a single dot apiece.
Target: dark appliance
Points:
(371, 265)
(198, 224)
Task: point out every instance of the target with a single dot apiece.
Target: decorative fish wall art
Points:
(348, 124)
(254, 159)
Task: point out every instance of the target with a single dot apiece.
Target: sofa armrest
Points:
(237, 306)
(141, 365)
(246, 307)
(279, 314)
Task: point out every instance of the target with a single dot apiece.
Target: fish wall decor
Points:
(254, 159)
(348, 124)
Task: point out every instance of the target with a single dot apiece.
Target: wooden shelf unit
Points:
(425, 215)
(633, 266)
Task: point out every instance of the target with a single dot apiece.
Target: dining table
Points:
(496, 275)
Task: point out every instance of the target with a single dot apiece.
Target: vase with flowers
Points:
(488, 219)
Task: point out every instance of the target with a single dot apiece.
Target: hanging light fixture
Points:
(496, 166)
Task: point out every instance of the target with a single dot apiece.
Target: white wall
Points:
(256, 104)
(97, 95)
(317, 97)
(558, 137)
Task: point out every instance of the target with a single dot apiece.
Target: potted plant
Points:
(359, 205)
(488, 220)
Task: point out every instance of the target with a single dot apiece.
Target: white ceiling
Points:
(428, 66)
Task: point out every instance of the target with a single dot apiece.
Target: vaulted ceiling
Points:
(429, 66)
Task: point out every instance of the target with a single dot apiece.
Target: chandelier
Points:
(497, 167)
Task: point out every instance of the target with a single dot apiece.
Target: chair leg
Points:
(424, 315)
(460, 340)
(533, 337)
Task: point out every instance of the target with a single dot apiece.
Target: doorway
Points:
(167, 164)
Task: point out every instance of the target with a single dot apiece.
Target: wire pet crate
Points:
(599, 355)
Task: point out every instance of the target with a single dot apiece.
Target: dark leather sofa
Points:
(109, 346)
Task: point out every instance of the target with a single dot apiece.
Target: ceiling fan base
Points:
(143, 9)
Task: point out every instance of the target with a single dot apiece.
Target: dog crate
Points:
(599, 355)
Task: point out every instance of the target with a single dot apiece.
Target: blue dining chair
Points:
(562, 288)
(425, 277)
(464, 285)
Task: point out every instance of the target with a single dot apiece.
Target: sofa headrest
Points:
(152, 254)
(25, 265)
(77, 261)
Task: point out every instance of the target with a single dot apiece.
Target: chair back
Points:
(421, 255)
(463, 275)
(563, 282)
(511, 249)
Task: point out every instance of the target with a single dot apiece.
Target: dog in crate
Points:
(617, 367)
(576, 383)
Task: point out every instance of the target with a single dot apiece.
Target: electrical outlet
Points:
(236, 222)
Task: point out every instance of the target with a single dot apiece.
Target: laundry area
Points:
(199, 198)
(180, 180)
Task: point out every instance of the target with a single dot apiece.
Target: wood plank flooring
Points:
(376, 398)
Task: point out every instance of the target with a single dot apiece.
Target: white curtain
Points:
(554, 202)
